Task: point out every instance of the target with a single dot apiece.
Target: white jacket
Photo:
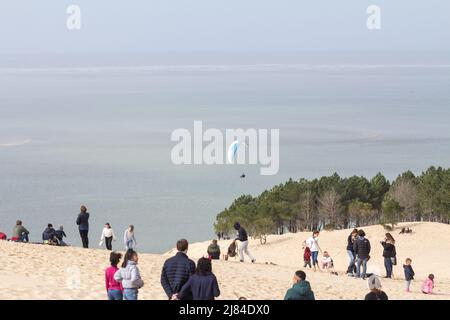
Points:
(107, 233)
(129, 276)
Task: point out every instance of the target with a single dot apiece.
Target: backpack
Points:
(2, 236)
(232, 250)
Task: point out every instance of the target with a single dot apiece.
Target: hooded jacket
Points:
(300, 291)
(48, 234)
(361, 247)
(242, 233)
(129, 276)
(409, 272)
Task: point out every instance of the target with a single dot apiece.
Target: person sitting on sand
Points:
(243, 247)
(114, 289)
(177, 270)
(129, 239)
(49, 235)
(202, 285)
(428, 284)
(375, 289)
(307, 257)
(20, 233)
(129, 276)
(214, 250)
(313, 244)
(301, 289)
(326, 262)
(403, 231)
(107, 236)
(409, 274)
(60, 234)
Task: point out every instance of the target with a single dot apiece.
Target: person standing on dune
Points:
(313, 244)
(243, 238)
(83, 226)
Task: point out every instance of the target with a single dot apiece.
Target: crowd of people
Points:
(183, 279)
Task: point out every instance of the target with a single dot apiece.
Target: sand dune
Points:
(43, 272)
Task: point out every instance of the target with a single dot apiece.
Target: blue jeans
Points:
(351, 264)
(360, 261)
(314, 255)
(130, 294)
(115, 295)
(388, 266)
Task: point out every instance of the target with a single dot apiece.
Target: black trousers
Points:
(108, 242)
(84, 238)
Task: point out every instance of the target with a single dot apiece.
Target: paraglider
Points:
(232, 151)
(242, 175)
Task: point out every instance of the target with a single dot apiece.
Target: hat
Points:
(374, 282)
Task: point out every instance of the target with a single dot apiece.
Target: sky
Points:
(30, 28)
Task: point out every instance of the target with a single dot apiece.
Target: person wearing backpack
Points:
(176, 271)
(361, 247)
(389, 254)
(243, 238)
(83, 226)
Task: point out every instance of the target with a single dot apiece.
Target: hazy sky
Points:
(29, 27)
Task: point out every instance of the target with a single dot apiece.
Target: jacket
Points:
(83, 221)
(409, 272)
(427, 286)
(307, 254)
(214, 251)
(201, 287)
(388, 250)
(129, 276)
(129, 236)
(48, 234)
(110, 282)
(175, 273)
(300, 291)
(242, 234)
(361, 247)
(350, 243)
(18, 231)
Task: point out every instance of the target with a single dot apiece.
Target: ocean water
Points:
(101, 137)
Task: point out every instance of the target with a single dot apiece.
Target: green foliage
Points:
(335, 202)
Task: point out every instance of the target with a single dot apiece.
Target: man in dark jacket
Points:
(177, 270)
(243, 238)
(361, 247)
(301, 290)
(49, 234)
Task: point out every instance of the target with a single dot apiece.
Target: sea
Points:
(100, 136)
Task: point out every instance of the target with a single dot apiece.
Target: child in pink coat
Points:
(428, 285)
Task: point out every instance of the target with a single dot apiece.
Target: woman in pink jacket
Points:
(428, 285)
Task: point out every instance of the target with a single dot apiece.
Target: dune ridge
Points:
(31, 271)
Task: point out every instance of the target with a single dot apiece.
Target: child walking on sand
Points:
(307, 257)
(114, 289)
(130, 276)
(428, 285)
(409, 273)
(129, 238)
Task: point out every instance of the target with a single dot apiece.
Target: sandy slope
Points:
(43, 272)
